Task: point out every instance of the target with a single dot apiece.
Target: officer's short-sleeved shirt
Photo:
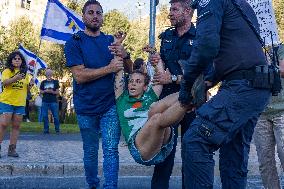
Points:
(52, 84)
(16, 93)
(97, 96)
(133, 112)
(174, 48)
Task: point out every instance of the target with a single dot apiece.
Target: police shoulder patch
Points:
(204, 3)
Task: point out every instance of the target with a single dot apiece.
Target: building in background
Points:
(10, 10)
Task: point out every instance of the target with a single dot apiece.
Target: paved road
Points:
(55, 161)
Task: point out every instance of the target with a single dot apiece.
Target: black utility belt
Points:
(261, 77)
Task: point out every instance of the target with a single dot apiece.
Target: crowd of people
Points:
(113, 94)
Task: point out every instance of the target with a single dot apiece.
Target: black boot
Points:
(12, 151)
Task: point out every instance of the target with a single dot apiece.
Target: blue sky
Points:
(129, 7)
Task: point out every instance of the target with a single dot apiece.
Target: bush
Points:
(71, 118)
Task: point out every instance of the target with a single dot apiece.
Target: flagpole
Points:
(153, 4)
(152, 22)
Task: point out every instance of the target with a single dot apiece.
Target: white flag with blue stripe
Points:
(60, 22)
(34, 63)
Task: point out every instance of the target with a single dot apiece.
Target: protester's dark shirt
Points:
(97, 96)
(52, 84)
(175, 48)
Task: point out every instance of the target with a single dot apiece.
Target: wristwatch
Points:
(174, 78)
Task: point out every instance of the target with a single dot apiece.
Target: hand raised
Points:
(116, 64)
(162, 78)
(119, 37)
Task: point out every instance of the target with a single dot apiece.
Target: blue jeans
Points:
(39, 116)
(227, 122)
(53, 107)
(90, 126)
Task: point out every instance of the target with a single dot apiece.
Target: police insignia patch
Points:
(204, 3)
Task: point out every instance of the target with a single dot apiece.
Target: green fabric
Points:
(133, 112)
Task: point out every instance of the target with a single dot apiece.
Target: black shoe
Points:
(12, 151)
(45, 132)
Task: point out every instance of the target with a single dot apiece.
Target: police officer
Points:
(225, 33)
(176, 44)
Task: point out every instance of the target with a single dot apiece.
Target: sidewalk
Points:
(61, 156)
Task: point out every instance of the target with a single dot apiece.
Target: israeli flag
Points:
(37, 82)
(34, 63)
(60, 23)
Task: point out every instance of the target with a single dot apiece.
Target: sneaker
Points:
(45, 132)
(12, 151)
(28, 120)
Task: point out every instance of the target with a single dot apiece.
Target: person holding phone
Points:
(49, 89)
(15, 82)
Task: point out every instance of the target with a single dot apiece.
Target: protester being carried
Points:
(16, 83)
(144, 123)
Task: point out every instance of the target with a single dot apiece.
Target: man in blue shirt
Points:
(225, 34)
(93, 67)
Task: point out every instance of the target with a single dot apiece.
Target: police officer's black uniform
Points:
(228, 119)
(173, 48)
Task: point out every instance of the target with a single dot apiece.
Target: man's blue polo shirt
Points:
(97, 96)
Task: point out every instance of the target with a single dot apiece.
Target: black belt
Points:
(240, 74)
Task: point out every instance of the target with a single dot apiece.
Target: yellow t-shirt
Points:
(16, 93)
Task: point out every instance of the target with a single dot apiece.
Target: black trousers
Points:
(163, 171)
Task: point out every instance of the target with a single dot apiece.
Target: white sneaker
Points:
(28, 120)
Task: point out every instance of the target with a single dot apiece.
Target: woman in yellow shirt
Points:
(15, 81)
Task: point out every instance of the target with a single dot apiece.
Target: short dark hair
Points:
(138, 63)
(10, 58)
(90, 2)
(185, 3)
(146, 76)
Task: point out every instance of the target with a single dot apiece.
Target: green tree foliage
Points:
(115, 21)
(75, 6)
(19, 31)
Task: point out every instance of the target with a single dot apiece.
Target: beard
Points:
(93, 28)
(178, 23)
